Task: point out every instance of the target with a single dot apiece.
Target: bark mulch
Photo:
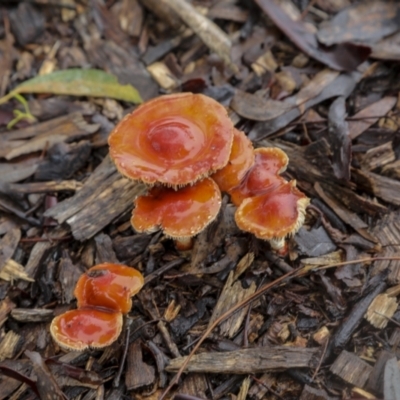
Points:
(318, 79)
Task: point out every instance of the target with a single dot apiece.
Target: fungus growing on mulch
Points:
(174, 140)
(104, 294)
(177, 140)
(86, 327)
(181, 214)
(240, 161)
(274, 215)
(264, 176)
(110, 286)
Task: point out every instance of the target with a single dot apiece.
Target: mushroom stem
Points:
(184, 243)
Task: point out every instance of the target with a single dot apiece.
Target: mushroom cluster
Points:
(104, 294)
(185, 147)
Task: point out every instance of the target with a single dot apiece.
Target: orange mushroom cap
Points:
(273, 215)
(83, 328)
(180, 213)
(263, 176)
(240, 161)
(109, 286)
(174, 139)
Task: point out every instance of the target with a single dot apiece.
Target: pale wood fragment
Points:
(8, 345)
(232, 293)
(381, 310)
(351, 369)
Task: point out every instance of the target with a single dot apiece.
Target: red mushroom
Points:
(273, 215)
(174, 140)
(109, 286)
(240, 161)
(88, 327)
(181, 213)
(263, 176)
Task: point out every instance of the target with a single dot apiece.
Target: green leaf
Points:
(78, 82)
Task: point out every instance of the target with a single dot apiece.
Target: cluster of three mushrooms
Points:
(187, 149)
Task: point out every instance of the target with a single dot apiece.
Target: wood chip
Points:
(231, 294)
(351, 369)
(8, 345)
(138, 373)
(248, 361)
(45, 134)
(104, 196)
(380, 310)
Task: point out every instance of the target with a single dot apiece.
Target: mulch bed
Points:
(318, 79)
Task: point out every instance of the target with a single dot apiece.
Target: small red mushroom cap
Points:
(80, 329)
(173, 139)
(179, 213)
(240, 161)
(109, 286)
(274, 215)
(263, 176)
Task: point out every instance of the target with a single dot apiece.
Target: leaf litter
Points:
(308, 78)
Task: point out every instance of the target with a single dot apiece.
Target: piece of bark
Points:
(231, 294)
(194, 385)
(248, 361)
(381, 310)
(345, 214)
(310, 393)
(351, 369)
(104, 249)
(138, 373)
(354, 318)
(387, 231)
(378, 157)
(257, 108)
(128, 247)
(45, 382)
(343, 85)
(361, 121)
(210, 33)
(338, 137)
(68, 275)
(394, 339)
(39, 187)
(103, 197)
(15, 172)
(391, 380)
(63, 160)
(8, 245)
(314, 242)
(376, 379)
(6, 306)
(352, 24)
(9, 345)
(164, 12)
(355, 202)
(44, 135)
(381, 186)
(27, 23)
(344, 57)
(32, 314)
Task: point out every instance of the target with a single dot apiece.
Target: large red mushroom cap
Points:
(263, 176)
(109, 286)
(273, 215)
(179, 213)
(83, 328)
(240, 161)
(174, 139)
